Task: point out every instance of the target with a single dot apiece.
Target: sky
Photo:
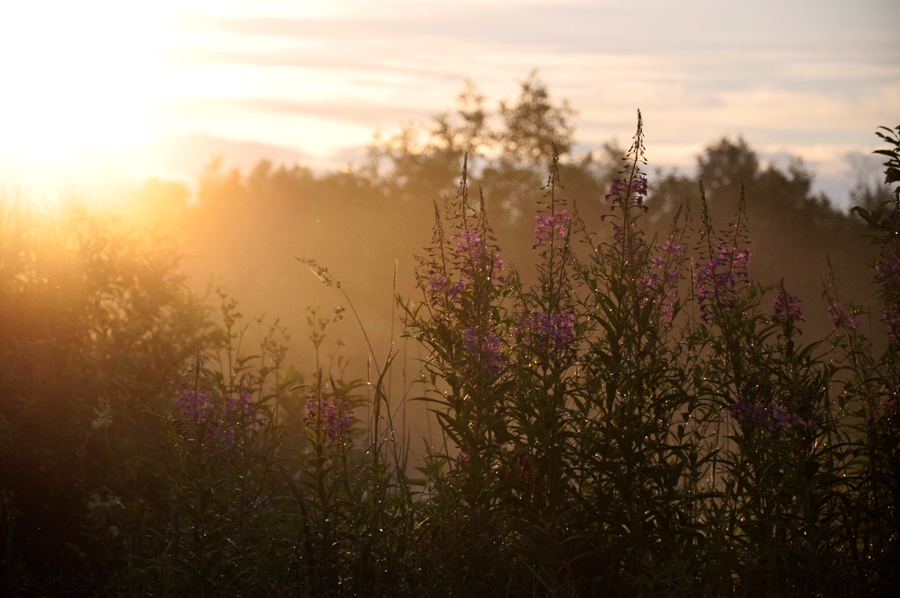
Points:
(107, 90)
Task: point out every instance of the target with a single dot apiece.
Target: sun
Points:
(75, 75)
(77, 83)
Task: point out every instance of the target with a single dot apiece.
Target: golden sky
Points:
(84, 83)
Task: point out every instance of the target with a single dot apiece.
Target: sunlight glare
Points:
(76, 75)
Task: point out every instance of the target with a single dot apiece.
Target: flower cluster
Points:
(786, 308)
(216, 424)
(329, 417)
(547, 225)
(717, 280)
(837, 311)
(750, 414)
(660, 275)
(482, 350)
(473, 254)
(663, 274)
(883, 414)
(619, 189)
(474, 259)
(892, 323)
(677, 249)
(441, 287)
(887, 271)
(773, 417)
(548, 333)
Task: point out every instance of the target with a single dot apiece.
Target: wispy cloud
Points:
(782, 73)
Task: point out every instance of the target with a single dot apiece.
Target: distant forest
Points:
(246, 228)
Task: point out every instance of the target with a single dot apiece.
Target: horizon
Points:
(315, 82)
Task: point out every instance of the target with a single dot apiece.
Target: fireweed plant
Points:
(646, 419)
(636, 417)
(273, 487)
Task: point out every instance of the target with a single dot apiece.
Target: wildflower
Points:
(548, 225)
(837, 311)
(330, 417)
(472, 250)
(551, 333)
(619, 189)
(717, 280)
(786, 308)
(442, 287)
(773, 417)
(884, 414)
(887, 270)
(218, 423)
(195, 405)
(464, 457)
(483, 350)
(892, 324)
(474, 257)
(782, 418)
(674, 248)
(751, 415)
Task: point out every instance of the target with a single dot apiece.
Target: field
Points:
(627, 411)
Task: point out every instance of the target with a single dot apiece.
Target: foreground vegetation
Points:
(636, 415)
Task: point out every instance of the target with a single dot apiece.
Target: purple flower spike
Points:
(219, 422)
(552, 333)
(837, 311)
(331, 417)
(483, 350)
(619, 188)
(786, 308)
(717, 280)
(473, 255)
(548, 225)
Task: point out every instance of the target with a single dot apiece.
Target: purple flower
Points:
(463, 457)
(442, 287)
(892, 324)
(551, 333)
(751, 415)
(473, 253)
(548, 225)
(468, 243)
(662, 279)
(474, 257)
(837, 311)
(888, 410)
(482, 350)
(195, 405)
(717, 280)
(786, 308)
(218, 423)
(619, 189)
(773, 417)
(675, 248)
(887, 270)
(330, 418)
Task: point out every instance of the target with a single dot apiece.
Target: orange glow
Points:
(75, 75)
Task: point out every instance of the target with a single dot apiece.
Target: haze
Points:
(88, 88)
